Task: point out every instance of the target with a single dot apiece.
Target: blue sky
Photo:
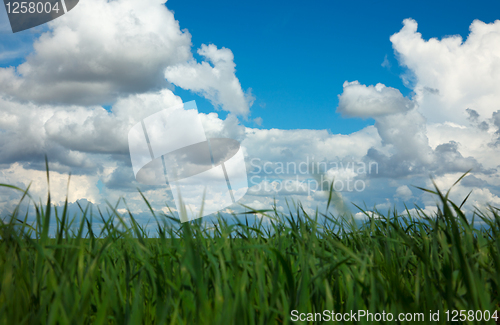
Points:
(296, 55)
(361, 82)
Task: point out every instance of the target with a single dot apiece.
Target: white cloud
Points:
(304, 145)
(403, 192)
(479, 197)
(99, 51)
(449, 124)
(216, 128)
(80, 186)
(95, 129)
(366, 215)
(411, 138)
(103, 52)
(451, 75)
(370, 101)
(91, 143)
(406, 133)
(66, 133)
(429, 211)
(218, 83)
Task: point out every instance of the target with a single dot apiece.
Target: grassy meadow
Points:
(245, 273)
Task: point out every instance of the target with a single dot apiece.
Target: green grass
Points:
(245, 273)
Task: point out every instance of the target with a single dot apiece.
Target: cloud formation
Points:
(450, 123)
(358, 100)
(98, 52)
(121, 51)
(214, 79)
(452, 75)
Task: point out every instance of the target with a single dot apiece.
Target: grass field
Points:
(243, 273)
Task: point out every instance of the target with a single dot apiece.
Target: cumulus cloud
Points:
(67, 133)
(89, 142)
(405, 147)
(480, 196)
(216, 128)
(444, 129)
(79, 186)
(465, 74)
(406, 133)
(214, 79)
(370, 101)
(403, 192)
(298, 145)
(98, 52)
(104, 52)
(450, 160)
(449, 125)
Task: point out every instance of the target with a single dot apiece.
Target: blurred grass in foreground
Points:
(244, 273)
